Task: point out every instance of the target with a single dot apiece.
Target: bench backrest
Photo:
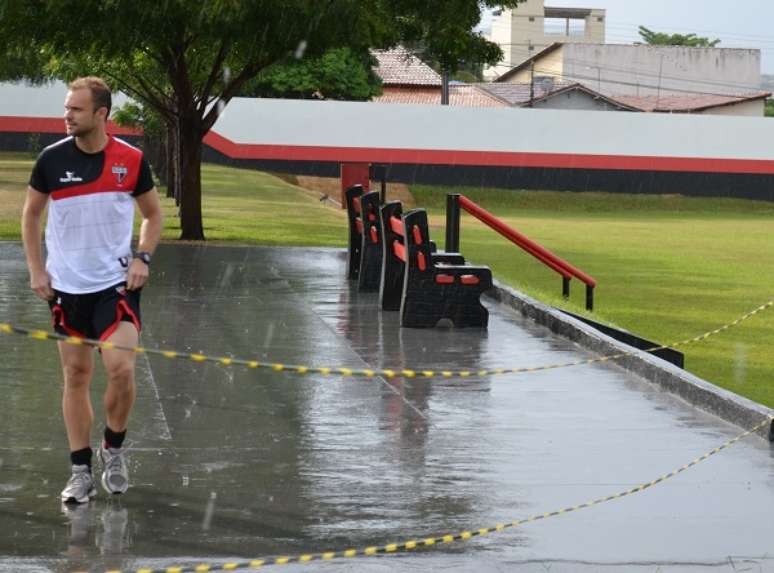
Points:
(418, 245)
(393, 265)
(371, 247)
(352, 198)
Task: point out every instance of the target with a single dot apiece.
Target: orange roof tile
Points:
(685, 103)
(462, 95)
(398, 66)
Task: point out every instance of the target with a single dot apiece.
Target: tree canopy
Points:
(690, 40)
(187, 59)
(339, 73)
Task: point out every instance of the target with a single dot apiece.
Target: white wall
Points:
(46, 100)
(404, 127)
(650, 70)
(360, 125)
(747, 108)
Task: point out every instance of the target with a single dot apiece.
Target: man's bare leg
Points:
(119, 366)
(118, 401)
(78, 368)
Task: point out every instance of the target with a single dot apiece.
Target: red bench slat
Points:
(374, 235)
(421, 263)
(356, 204)
(417, 235)
(396, 225)
(469, 280)
(444, 279)
(400, 250)
(359, 226)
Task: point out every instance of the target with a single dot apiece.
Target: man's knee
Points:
(120, 372)
(77, 375)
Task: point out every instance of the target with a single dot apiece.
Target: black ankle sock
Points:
(114, 439)
(81, 457)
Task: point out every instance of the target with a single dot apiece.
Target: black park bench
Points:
(365, 243)
(433, 286)
(394, 261)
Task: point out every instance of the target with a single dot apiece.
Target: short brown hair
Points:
(100, 92)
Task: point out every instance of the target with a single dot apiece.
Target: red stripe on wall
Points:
(52, 125)
(485, 158)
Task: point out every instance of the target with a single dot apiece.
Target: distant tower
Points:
(524, 31)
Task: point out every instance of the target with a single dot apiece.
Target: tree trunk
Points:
(173, 162)
(190, 149)
(155, 149)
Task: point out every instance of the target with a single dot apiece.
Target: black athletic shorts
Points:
(95, 315)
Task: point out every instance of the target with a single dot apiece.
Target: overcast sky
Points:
(739, 24)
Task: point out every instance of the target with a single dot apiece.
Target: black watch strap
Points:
(144, 256)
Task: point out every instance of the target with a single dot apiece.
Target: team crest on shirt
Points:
(120, 171)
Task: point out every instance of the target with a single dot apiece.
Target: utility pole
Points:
(445, 87)
(531, 83)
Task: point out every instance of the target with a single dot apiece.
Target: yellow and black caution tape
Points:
(358, 372)
(430, 542)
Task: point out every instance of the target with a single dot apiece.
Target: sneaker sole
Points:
(92, 494)
(110, 490)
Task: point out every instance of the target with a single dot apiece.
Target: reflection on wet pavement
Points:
(232, 463)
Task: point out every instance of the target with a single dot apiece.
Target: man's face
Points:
(80, 116)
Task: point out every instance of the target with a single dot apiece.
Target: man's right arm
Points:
(34, 206)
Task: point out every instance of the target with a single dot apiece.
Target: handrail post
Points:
(453, 223)
(379, 173)
(589, 297)
(565, 287)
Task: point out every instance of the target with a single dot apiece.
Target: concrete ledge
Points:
(702, 394)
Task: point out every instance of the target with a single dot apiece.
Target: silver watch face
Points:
(144, 257)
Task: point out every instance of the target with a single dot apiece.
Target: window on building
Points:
(564, 26)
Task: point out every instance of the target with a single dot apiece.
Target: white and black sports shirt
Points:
(91, 214)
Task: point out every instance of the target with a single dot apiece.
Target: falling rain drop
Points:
(740, 363)
(209, 510)
(300, 49)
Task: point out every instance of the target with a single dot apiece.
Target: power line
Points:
(634, 84)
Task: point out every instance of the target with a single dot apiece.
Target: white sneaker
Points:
(80, 487)
(115, 474)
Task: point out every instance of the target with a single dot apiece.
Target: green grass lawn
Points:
(668, 267)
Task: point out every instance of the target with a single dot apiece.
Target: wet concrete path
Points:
(233, 463)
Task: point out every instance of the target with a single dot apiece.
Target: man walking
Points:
(91, 278)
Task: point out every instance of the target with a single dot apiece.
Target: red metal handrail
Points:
(545, 256)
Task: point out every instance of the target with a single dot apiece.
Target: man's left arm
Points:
(150, 233)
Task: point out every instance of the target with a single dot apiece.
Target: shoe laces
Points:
(115, 460)
(80, 478)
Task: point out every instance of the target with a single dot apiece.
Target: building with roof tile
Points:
(408, 80)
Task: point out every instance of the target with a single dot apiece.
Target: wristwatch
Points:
(144, 256)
